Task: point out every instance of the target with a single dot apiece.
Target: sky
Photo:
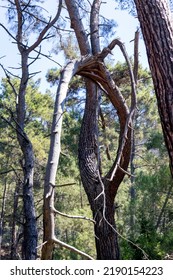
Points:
(125, 31)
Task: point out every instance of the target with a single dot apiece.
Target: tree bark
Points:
(30, 225)
(13, 230)
(3, 213)
(52, 164)
(101, 192)
(156, 24)
(101, 204)
(133, 147)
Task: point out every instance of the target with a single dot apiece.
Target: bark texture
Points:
(30, 224)
(101, 204)
(156, 24)
(101, 192)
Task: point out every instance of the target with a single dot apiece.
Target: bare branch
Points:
(35, 58)
(42, 244)
(8, 32)
(71, 216)
(48, 57)
(129, 120)
(2, 56)
(71, 248)
(31, 75)
(9, 80)
(129, 174)
(65, 185)
(6, 172)
(48, 26)
(15, 128)
(136, 56)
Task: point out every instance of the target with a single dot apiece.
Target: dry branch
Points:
(71, 248)
(71, 216)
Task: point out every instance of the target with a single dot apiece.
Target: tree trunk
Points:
(3, 213)
(97, 192)
(164, 206)
(30, 224)
(13, 230)
(156, 24)
(52, 164)
(101, 192)
(132, 191)
(106, 238)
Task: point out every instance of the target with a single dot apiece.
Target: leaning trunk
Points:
(52, 164)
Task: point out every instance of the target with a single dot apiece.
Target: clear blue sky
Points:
(127, 26)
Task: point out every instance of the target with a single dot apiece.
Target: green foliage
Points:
(34, 18)
(151, 191)
(38, 120)
(53, 76)
(156, 142)
(76, 232)
(136, 215)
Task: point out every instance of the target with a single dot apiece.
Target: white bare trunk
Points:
(53, 160)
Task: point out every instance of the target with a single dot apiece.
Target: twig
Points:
(40, 246)
(43, 32)
(65, 185)
(126, 172)
(17, 130)
(9, 80)
(6, 172)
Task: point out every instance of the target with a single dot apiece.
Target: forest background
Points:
(143, 206)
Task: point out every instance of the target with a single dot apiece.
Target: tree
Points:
(103, 94)
(101, 190)
(23, 13)
(158, 36)
(37, 122)
(49, 239)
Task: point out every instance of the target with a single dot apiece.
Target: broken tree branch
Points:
(71, 248)
(71, 216)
